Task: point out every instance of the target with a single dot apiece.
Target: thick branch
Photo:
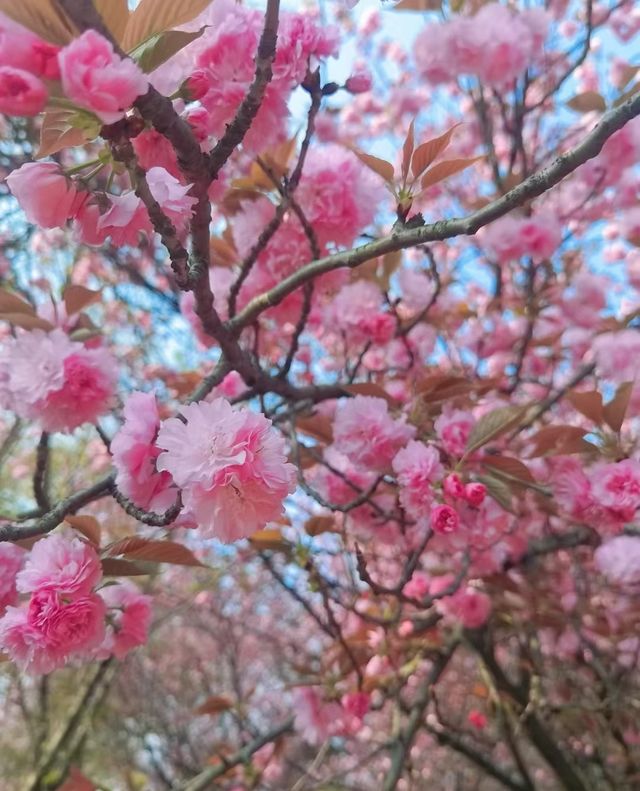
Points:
(530, 188)
(57, 514)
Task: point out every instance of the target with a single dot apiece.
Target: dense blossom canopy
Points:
(320, 406)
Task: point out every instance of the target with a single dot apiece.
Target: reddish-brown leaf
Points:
(443, 170)
(320, 524)
(116, 567)
(12, 303)
(269, 538)
(418, 5)
(588, 404)
(614, 412)
(27, 321)
(560, 440)
(427, 152)
(155, 16)
(407, 151)
(587, 102)
(76, 781)
(215, 705)
(510, 467)
(379, 166)
(77, 298)
(87, 525)
(60, 129)
(316, 426)
(136, 548)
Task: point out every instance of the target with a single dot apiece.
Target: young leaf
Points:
(587, 102)
(510, 467)
(28, 321)
(560, 440)
(156, 16)
(316, 426)
(157, 49)
(87, 525)
(407, 151)
(371, 389)
(77, 298)
(115, 15)
(418, 5)
(443, 170)
(136, 548)
(269, 538)
(588, 404)
(492, 425)
(499, 490)
(614, 412)
(379, 166)
(42, 17)
(427, 152)
(64, 129)
(12, 303)
(116, 567)
(215, 705)
(316, 525)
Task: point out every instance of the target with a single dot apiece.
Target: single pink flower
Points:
(172, 196)
(125, 220)
(619, 560)
(94, 77)
(444, 519)
(231, 466)
(417, 467)
(475, 493)
(367, 435)
(21, 93)
(129, 617)
(61, 562)
(47, 197)
(134, 456)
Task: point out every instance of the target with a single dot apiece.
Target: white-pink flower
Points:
(231, 466)
(61, 562)
(173, 197)
(129, 616)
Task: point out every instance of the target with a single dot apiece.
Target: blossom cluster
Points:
(60, 383)
(496, 45)
(66, 616)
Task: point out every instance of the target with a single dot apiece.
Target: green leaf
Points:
(157, 49)
(492, 425)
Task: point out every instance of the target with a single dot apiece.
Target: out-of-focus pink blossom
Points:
(454, 427)
(417, 467)
(11, 559)
(367, 434)
(21, 93)
(172, 196)
(619, 560)
(129, 616)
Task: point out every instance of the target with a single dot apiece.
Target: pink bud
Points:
(359, 82)
(477, 719)
(197, 85)
(475, 493)
(453, 486)
(21, 93)
(444, 519)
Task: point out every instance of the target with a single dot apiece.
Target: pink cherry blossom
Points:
(367, 434)
(23, 50)
(616, 487)
(47, 197)
(154, 150)
(172, 196)
(51, 630)
(453, 427)
(61, 562)
(619, 560)
(357, 311)
(231, 466)
(469, 606)
(417, 467)
(129, 617)
(315, 719)
(444, 519)
(134, 456)
(11, 560)
(86, 393)
(94, 77)
(338, 194)
(475, 493)
(125, 220)
(21, 93)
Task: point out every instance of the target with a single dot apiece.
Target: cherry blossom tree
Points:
(320, 459)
